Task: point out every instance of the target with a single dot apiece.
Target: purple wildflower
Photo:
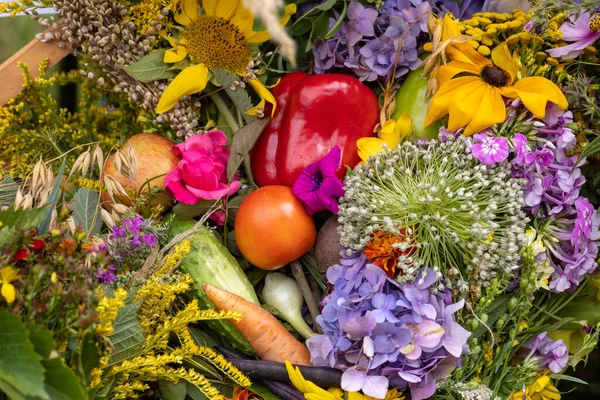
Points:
(490, 150)
(318, 187)
(548, 353)
(583, 32)
(106, 276)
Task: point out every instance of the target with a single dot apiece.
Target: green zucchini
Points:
(209, 261)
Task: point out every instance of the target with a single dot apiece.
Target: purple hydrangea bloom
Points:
(375, 44)
(381, 333)
(490, 150)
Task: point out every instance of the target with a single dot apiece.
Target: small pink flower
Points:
(583, 33)
(201, 174)
(490, 150)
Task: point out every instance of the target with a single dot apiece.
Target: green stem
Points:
(226, 113)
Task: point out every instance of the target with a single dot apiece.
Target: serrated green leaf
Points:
(242, 143)
(150, 68)
(41, 338)
(15, 221)
(127, 337)
(202, 338)
(85, 211)
(172, 391)
(20, 366)
(336, 27)
(240, 98)
(10, 391)
(52, 199)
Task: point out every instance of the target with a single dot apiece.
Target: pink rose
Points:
(201, 174)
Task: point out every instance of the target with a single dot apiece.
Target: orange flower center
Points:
(218, 44)
(385, 249)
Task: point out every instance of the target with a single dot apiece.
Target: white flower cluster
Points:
(462, 218)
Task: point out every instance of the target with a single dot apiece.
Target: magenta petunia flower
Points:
(490, 150)
(583, 33)
(317, 187)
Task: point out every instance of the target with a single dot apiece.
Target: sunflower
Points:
(474, 100)
(219, 38)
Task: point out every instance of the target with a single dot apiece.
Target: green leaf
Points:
(187, 211)
(8, 191)
(172, 391)
(10, 391)
(240, 98)
(194, 392)
(20, 365)
(150, 68)
(202, 338)
(262, 391)
(89, 357)
(41, 338)
(85, 211)
(45, 225)
(300, 28)
(568, 378)
(15, 221)
(336, 27)
(61, 382)
(327, 5)
(127, 337)
(242, 143)
(494, 311)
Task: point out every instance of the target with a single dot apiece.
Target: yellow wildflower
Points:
(172, 259)
(107, 310)
(475, 102)
(220, 38)
(541, 389)
(7, 289)
(392, 133)
(314, 392)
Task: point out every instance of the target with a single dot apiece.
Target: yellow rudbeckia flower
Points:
(475, 101)
(541, 389)
(313, 392)
(219, 38)
(7, 289)
(392, 133)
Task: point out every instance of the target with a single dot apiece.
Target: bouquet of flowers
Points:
(317, 200)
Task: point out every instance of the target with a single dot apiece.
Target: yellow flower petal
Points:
(502, 58)
(210, 6)
(394, 132)
(463, 107)
(444, 96)
(491, 110)
(535, 92)
(263, 36)
(304, 385)
(8, 292)
(243, 19)
(189, 81)
(224, 8)
(173, 56)
(187, 12)
(265, 96)
(448, 71)
(368, 147)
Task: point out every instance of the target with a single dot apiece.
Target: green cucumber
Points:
(209, 261)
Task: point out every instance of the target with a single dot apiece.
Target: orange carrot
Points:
(270, 340)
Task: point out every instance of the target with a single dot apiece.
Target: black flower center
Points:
(495, 76)
(317, 180)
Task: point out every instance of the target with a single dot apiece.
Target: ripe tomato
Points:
(272, 228)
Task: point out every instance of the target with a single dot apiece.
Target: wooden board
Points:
(11, 77)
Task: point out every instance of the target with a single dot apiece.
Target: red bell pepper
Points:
(314, 114)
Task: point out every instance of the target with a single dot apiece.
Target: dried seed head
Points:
(106, 217)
